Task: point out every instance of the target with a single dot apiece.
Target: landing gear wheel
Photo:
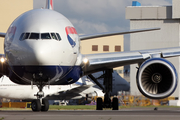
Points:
(99, 104)
(36, 105)
(45, 105)
(115, 104)
(107, 89)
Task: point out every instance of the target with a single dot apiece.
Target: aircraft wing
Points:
(102, 61)
(86, 37)
(80, 89)
(2, 34)
(69, 94)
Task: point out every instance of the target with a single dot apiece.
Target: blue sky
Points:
(95, 16)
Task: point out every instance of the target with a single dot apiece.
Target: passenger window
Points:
(58, 36)
(53, 35)
(34, 36)
(45, 36)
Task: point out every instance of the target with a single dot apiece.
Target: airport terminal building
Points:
(165, 17)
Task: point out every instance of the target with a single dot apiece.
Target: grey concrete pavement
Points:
(125, 114)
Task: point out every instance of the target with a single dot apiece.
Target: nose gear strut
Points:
(39, 104)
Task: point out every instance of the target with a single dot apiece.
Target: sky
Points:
(96, 16)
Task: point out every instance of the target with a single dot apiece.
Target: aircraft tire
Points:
(36, 105)
(45, 106)
(115, 104)
(99, 104)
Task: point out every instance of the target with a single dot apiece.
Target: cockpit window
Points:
(53, 35)
(34, 36)
(21, 37)
(24, 36)
(58, 36)
(45, 36)
(42, 36)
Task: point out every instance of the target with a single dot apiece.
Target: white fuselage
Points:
(83, 87)
(42, 45)
(11, 90)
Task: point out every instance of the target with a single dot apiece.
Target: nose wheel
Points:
(37, 106)
(45, 105)
(40, 104)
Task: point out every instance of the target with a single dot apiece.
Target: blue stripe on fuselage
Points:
(58, 75)
(71, 41)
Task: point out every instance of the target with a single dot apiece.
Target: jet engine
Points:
(98, 93)
(157, 78)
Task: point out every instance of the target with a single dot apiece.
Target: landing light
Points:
(2, 60)
(85, 60)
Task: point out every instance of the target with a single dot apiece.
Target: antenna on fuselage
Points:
(49, 4)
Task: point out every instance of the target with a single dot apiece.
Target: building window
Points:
(117, 48)
(94, 47)
(106, 48)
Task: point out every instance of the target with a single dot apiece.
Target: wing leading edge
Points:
(86, 37)
(2, 34)
(102, 61)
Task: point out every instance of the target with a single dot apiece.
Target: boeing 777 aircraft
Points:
(42, 48)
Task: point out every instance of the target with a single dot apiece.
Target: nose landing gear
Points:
(40, 104)
(36, 105)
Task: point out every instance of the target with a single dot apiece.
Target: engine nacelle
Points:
(157, 78)
(95, 93)
(98, 93)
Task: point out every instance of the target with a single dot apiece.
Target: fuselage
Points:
(11, 90)
(83, 87)
(42, 45)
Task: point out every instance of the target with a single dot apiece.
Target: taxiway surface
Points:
(125, 114)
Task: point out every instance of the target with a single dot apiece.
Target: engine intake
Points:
(157, 78)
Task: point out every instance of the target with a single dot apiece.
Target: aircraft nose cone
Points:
(37, 52)
(41, 54)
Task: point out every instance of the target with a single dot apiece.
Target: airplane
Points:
(83, 88)
(42, 47)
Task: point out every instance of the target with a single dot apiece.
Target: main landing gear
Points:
(107, 103)
(40, 104)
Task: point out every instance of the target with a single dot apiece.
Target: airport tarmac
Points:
(122, 114)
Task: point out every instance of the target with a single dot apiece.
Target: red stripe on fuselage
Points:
(51, 2)
(70, 30)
